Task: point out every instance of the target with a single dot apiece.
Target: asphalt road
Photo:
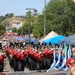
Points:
(7, 67)
(10, 71)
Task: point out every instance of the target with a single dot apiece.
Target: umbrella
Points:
(54, 40)
(19, 39)
(69, 39)
(26, 39)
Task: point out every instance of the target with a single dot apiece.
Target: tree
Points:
(38, 27)
(25, 27)
(9, 15)
(61, 16)
(2, 29)
(2, 18)
(14, 30)
(19, 31)
(30, 21)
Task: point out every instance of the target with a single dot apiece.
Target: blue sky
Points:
(18, 6)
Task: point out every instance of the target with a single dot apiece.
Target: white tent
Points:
(49, 35)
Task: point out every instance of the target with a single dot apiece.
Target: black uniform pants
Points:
(1, 67)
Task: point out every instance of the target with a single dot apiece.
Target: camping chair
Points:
(63, 66)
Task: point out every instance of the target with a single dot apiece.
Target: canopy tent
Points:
(69, 39)
(50, 35)
(54, 40)
(34, 41)
(26, 39)
(19, 39)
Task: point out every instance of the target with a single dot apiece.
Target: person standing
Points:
(2, 57)
(71, 62)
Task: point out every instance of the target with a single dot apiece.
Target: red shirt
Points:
(70, 61)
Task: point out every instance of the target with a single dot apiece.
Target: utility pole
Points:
(29, 25)
(44, 18)
(22, 29)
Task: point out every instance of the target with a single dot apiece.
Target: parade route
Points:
(7, 67)
(9, 70)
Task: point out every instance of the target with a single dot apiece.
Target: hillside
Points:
(13, 19)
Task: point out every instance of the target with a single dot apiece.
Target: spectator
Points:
(71, 62)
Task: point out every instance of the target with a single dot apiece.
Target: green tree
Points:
(9, 15)
(38, 27)
(6, 24)
(2, 18)
(19, 31)
(29, 21)
(25, 27)
(2, 29)
(61, 16)
(14, 30)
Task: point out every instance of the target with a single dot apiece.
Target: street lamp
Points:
(29, 22)
(44, 18)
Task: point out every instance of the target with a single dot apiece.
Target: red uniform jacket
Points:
(40, 56)
(48, 54)
(35, 55)
(17, 56)
(26, 52)
(22, 56)
(2, 56)
(10, 52)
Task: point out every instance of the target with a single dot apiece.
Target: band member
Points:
(2, 57)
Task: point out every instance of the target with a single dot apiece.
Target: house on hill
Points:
(14, 22)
